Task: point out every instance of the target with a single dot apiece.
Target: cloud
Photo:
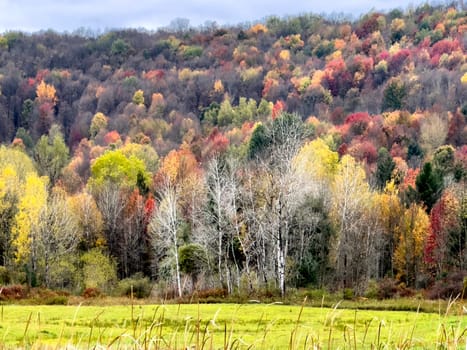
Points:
(68, 15)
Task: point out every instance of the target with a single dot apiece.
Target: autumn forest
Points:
(297, 152)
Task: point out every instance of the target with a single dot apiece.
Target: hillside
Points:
(301, 151)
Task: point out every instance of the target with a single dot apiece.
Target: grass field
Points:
(227, 326)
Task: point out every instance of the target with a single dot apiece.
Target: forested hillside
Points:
(295, 152)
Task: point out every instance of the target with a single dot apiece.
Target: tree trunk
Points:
(179, 282)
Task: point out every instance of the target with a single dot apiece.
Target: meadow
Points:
(228, 326)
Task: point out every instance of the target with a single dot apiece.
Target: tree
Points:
(51, 154)
(57, 232)
(164, 229)
(446, 241)
(394, 95)
(15, 165)
(98, 124)
(220, 216)
(138, 98)
(27, 223)
(282, 191)
(99, 270)
(433, 133)
(89, 221)
(351, 203)
(389, 213)
(111, 202)
(115, 167)
(429, 185)
(258, 142)
(384, 167)
(443, 159)
(411, 231)
(46, 93)
(193, 261)
(318, 164)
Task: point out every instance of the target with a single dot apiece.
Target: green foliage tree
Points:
(384, 168)
(193, 260)
(259, 141)
(51, 154)
(394, 95)
(429, 185)
(99, 270)
(443, 159)
(120, 47)
(116, 168)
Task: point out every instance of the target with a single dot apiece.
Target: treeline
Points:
(297, 152)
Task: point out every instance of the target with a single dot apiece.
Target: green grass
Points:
(227, 326)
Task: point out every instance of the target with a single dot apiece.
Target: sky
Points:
(69, 15)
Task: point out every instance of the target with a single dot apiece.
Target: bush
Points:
(390, 288)
(387, 288)
(13, 292)
(138, 284)
(348, 294)
(317, 294)
(91, 293)
(372, 290)
(452, 286)
(56, 300)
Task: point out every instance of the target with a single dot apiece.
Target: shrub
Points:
(390, 288)
(13, 292)
(138, 284)
(317, 294)
(348, 294)
(451, 286)
(387, 288)
(91, 293)
(56, 300)
(372, 290)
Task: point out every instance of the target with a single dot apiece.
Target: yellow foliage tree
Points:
(258, 28)
(98, 123)
(31, 202)
(411, 233)
(218, 86)
(284, 55)
(389, 211)
(46, 93)
(316, 162)
(138, 97)
(351, 203)
(464, 79)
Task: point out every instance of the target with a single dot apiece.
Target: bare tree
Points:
(283, 191)
(57, 232)
(165, 225)
(220, 216)
(351, 201)
(111, 204)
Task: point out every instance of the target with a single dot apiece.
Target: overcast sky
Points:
(68, 15)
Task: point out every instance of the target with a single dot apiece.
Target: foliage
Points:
(429, 185)
(394, 95)
(99, 270)
(136, 286)
(115, 167)
(305, 150)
